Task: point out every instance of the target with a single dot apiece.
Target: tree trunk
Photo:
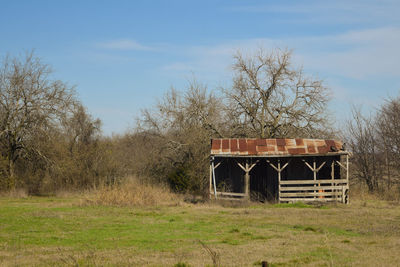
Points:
(370, 185)
(11, 174)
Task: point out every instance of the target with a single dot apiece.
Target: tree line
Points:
(374, 140)
(49, 141)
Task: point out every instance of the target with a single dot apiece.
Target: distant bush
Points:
(178, 180)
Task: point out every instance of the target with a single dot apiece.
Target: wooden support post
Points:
(315, 174)
(314, 169)
(279, 179)
(346, 168)
(333, 176)
(213, 174)
(279, 170)
(247, 181)
(347, 178)
(247, 168)
(341, 165)
(212, 177)
(210, 181)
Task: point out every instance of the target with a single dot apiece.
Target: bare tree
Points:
(80, 127)
(388, 127)
(30, 103)
(271, 98)
(181, 126)
(363, 141)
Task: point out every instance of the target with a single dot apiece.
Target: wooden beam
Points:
(232, 199)
(231, 194)
(284, 166)
(216, 166)
(310, 194)
(247, 168)
(322, 165)
(253, 165)
(341, 165)
(311, 188)
(278, 169)
(306, 199)
(308, 165)
(272, 165)
(325, 181)
(241, 166)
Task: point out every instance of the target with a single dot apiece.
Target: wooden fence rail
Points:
(310, 194)
(325, 181)
(314, 190)
(306, 188)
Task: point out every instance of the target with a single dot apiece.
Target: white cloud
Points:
(361, 67)
(124, 44)
(328, 12)
(355, 54)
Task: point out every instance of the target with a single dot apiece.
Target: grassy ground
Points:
(63, 231)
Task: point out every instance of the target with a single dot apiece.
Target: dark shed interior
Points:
(284, 170)
(264, 179)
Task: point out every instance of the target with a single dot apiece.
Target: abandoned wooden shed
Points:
(283, 170)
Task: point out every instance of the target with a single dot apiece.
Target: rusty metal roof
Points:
(278, 147)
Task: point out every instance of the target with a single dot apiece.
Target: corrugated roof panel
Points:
(311, 150)
(330, 143)
(299, 142)
(261, 142)
(251, 147)
(290, 142)
(271, 142)
(309, 142)
(225, 146)
(234, 145)
(280, 142)
(216, 144)
(259, 147)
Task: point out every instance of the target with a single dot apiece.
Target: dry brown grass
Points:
(360, 192)
(16, 193)
(133, 192)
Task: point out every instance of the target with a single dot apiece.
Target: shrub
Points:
(133, 192)
(179, 181)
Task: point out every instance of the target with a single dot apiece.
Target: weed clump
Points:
(133, 193)
(182, 264)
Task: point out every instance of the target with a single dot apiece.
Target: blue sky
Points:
(122, 55)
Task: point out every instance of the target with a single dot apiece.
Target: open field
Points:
(66, 231)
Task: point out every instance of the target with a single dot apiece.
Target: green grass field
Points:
(66, 231)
